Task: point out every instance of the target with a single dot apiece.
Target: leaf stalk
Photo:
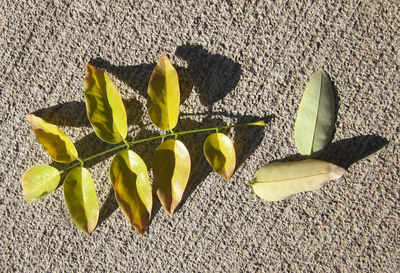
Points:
(172, 133)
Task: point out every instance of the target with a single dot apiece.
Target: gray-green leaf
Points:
(315, 122)
(278, 180)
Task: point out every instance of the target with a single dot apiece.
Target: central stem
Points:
(126, 143)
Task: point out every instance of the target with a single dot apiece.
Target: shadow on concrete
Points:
(74, 113)
(214, 75)
(243, 147)
(345, 153)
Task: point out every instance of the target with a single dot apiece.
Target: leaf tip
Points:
(226, 178)
(259, 123)
(164, 57)
(31, 118)
(26, 199)
(169, 212)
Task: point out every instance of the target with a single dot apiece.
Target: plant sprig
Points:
(128, 173)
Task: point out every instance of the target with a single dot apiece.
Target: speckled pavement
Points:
(238, 61)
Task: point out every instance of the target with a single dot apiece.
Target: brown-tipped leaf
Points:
(171, 169)
(81, 199)
(279, 180)
(132, 188)
(164, 95)
(220, 153)
(315, 121)
(54, 141)
(39, 181)
(105, 109)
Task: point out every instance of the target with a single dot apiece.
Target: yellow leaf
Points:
(39, 181)
(220, 153)
(80, 196)
(164, 96)
(105, 109)
(278, 180)
(171, 169)
(54, 141)
(132, 189)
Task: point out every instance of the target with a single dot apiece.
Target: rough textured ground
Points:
(237, 62)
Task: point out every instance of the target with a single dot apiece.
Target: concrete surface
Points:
(238, 61)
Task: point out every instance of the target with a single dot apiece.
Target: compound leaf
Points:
(220, 153)
(132, 188)
(171, 169)
(164, 96)
(105, 109)
(54, 141)
(315, 121)
(80, 196)
(39, 181)
(278, 180)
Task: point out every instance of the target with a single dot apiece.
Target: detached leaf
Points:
(171, 169)
(132, 189)
(39, 181)
(81, 199)
(164, 96)
(315, 121)
(105, 109)
(278, 180)
(220, 153)
(54, 141)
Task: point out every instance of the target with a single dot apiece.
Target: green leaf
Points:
(39, 181)
(278, 180)
(132, 188)
(105, 109)
(171, 169)
(54, 141)
(220, 153)
(81, 199)
(315, 121)
(164, 96)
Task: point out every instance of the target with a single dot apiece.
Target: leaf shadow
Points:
(74, 113)
(346, 152)
(137, 76)
(214, 75)
(71, 113)
(243, 147)
(337, 103)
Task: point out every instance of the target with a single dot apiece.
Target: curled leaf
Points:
(132, 189)
(164, 96)
(39, 181)
(105, 109)
(80, 196)
(278, 180)
(220, 153)
(171, 169)
(315, 121)
(54, 141)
